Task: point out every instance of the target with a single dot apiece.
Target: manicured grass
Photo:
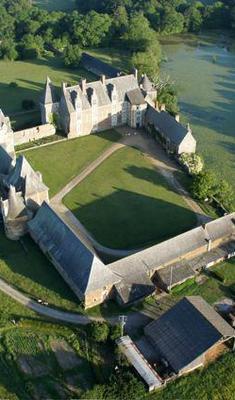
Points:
(126, 203)
(61, 162)
(30, 77)
(212, 289)
(216, 382)
(30, 272)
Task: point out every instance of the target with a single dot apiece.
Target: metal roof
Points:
(187, 331)
(138, 361)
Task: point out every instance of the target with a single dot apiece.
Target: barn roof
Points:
(98, 67)
(166, 124)
(187, 331)
(80, 268)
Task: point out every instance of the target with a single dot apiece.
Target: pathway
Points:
(157, 157)
(136, 319)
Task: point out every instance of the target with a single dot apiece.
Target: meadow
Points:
(30, 78)
(126, 203)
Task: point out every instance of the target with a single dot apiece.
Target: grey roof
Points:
(167, 125)
(81, 268)
(49, 93)
(153, 258)
(98, 67)
(24, 178)
(5, 161)
(135, 97)
(102, 91)
(175, 274)
(187, 331)
(147, 85)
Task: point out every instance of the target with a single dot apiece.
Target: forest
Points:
(28, 32)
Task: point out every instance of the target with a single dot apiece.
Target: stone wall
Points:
(31, 134)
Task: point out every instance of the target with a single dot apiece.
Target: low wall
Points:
(31, 134)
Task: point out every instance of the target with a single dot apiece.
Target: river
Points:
(203, 69)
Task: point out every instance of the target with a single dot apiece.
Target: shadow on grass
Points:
(126, 219)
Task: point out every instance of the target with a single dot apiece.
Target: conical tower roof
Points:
(146, 83)
(16, 206)
(49, 93)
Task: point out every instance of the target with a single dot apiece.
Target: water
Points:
(203, 68)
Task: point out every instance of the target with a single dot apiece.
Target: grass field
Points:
(216, 382)
(30, 77)
(61, 162)
(126, 203)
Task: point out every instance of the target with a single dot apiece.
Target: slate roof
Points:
(135, 97)
(146, 84)
(167, 125)
(102, 91)
(153, 258)
(187, 331)
(82, 270)
(49, 93)
(175, 274)
(5, 161)
(16, 206)
(98, 67)
(24, 178)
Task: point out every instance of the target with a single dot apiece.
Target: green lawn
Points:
(30, 77)
(126, 203)
(119, 58)
(31, 272)
(61, 162)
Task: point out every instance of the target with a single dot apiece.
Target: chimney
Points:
(209, 245)
(84, 86)
(103, 79)
(177, 118)
(162, 107)
(64, 85)
(189, 128)
(135, 71)
(157, 105)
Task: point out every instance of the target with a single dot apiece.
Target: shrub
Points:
(115, 332)
(99, 331)
(192, 162)
(28, 104)
(13, 84)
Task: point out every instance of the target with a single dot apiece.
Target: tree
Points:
(8, 50)
(172, 21)
(192, 162)
(139, 35)
(99, 331)
(147, 62)
(115, 332)
(224, 193)
(72, 55)
(124, 386)
(204, 185)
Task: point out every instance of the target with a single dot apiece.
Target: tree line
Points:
(28, 32)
